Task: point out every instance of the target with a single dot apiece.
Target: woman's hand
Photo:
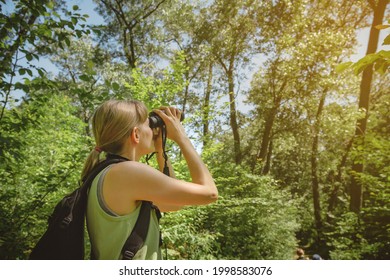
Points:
(171, 117)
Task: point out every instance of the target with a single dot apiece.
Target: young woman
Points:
(122, 128)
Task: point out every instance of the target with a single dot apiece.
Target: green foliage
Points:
(376, 178)
(366, 235)
(380, 60)
(160, 88)
(47, 167)
(360, 236)
(185, 237)
(255, 228)
(347, 242)
(30, 30)
(253, 218)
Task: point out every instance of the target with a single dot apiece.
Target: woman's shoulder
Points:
(132, 169)
(129, 166)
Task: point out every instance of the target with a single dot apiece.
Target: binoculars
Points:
(155, 121)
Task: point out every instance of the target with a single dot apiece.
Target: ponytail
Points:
(92, 160)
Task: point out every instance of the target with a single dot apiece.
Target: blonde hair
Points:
(112, 123)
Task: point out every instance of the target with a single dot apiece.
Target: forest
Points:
(295, 133)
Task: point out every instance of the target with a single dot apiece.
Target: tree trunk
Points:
(206, 106)
(262, 154)
(186, 92)
(364, 101)
(337, 182)
(267, 166)
(233, 118)
(269, 123)
(128, 48)
(314, 170)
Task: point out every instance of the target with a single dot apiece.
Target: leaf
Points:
(382, 26)
(41, 72)
(384, 54)
(67, 41)
(387, 40)
(364, 62)
(342, 66)
(75, 8)
(381, 67)
(98, 32)
(18, 85)
(79, 33)
(29, 56)
(90, 65)
(85, 78)
(115, 86)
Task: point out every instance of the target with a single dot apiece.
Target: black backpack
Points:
(64, 237)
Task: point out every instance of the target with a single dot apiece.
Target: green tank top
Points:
(109, 231)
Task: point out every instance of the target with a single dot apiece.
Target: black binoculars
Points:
(155, 121)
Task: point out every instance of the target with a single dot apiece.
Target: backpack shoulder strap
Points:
(111, 159)
(137, 237)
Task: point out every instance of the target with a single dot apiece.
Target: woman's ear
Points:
(135, 135)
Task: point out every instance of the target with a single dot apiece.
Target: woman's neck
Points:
(130, 154)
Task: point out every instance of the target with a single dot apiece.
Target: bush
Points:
(48, 166)
(252, 219)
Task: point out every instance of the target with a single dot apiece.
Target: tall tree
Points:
(206, 106)
(230, 28)
(298, 82)
(378, 8)
(181, 28)
(133, 25)
(315, 184)
(274, 86)
(283, 19)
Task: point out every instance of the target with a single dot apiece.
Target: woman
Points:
(122, 128)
